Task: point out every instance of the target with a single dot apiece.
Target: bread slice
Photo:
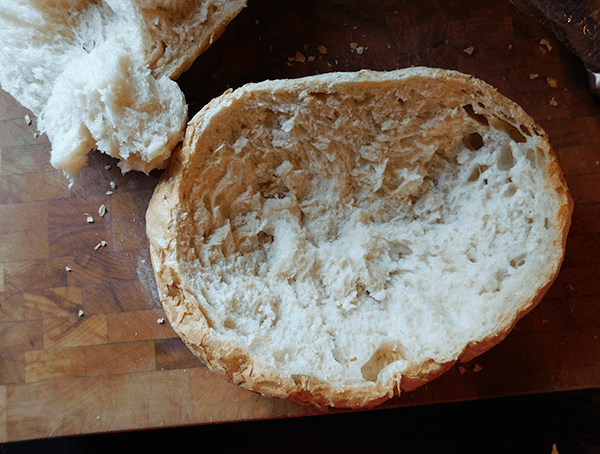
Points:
(339, 238)
(98, 74)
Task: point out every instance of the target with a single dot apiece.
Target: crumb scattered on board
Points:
(553, 102)
(102, 210)
(160, 321)
(469, 50)
(100, 244)
(81, 313)
(89, 218)
(545, 46)
(552, 82)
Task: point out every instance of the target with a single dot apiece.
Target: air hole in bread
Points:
(482, 119)
(513, 132)
(229, 323)
(506, 160)
(510, 190)
(536, 157)
(518, 261)
(476, 173)
(525, 130)
(473, 141)
(383, 356)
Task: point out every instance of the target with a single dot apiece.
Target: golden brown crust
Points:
(239, 366)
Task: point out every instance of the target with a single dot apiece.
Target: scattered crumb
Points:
(554, 449)
(477, 368)
(360, 50)
(108, 167)
(462, 370)
(80, 314)
(299, 57)
(160, 321)
(533, 76)
(353, 46)
(89, 218)
(27, 119)
(68, 269)
(322, 49)
(553, 102)
(109, 193)
(288, 63)
(311, 58)
(102, 210)
(509, 46)
(544, 42)
(552, 82)
(113, 185)
(35, 135)
(100, 244)
(469, 50)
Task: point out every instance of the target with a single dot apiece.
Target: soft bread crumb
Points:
(343, 205)
(469, 50)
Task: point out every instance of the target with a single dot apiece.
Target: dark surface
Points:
(529, 424)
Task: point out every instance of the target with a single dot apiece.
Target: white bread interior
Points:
(339, 238)
(98, 74)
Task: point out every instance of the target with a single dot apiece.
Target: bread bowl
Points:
(341, 238)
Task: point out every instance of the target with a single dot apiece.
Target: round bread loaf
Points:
(339, 238)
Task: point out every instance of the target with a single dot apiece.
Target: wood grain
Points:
(116, 368)
(75, 331)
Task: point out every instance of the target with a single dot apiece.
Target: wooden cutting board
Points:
(83, 345)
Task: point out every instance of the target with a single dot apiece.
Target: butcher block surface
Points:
(85, 346)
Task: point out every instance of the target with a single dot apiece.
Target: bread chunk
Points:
(99, 74)
(339, 238)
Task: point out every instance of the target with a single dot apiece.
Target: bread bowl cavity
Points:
(99, 74)
(339, 238)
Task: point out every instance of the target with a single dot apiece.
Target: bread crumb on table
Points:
(100, 244)
(533, 76)
(102, 210)
(27, 119)
(548, 47)
(81, 313)
(553, 102)
(89, 218)
(322, 49)
(469, 50)
(552, 82)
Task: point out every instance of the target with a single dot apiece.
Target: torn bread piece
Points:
(340, 238)
(99, 74)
